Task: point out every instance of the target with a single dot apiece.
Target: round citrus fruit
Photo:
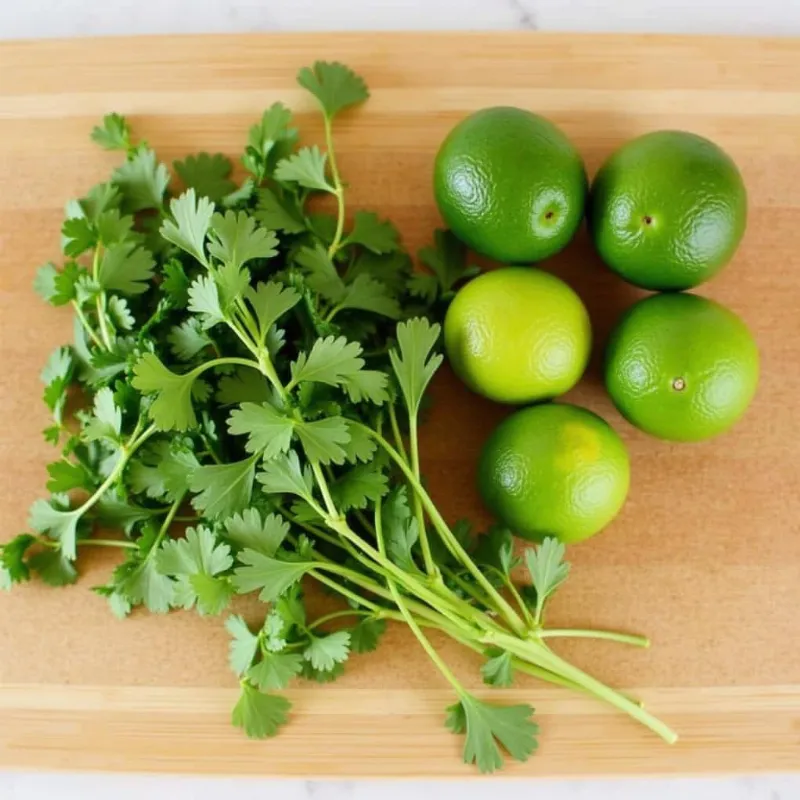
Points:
(667, 210)
(681, 367)
(554, 470)
(510, 185)
(518, 335)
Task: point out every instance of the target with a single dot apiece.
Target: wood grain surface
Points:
(706, 555)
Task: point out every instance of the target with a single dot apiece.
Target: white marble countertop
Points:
(41, 18)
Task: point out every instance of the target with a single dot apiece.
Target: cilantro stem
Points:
(337, 185)
(218, 362)
(509, 584)
(410, 621)
(542, 656)
(86, 325)
(588, 633)
(398, 439)
(425, 545)
(126, 452)
(100, 302)
(449, 605)
(108, 543)
(348, 612)
(343, 590)
(503, 607)
(165, 525)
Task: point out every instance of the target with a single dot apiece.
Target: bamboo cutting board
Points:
(705, 557)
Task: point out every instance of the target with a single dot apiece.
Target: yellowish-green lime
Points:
(554, 470)
(518, 335)
(681, 367)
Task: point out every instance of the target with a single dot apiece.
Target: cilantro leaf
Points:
(13, 568)
(497, 671)
(321, 676)
(243, 386)
(333, 361)
(172, 408)
(77, 236)
(487, 726)
(447, 262)
(58, 524)
(236, 239)
(248, 530)
(335, 86)
(106, 419)
(269, 140)
(114, 510)
(147, 586)
(401, 530)
(243, 646)
(223, 489)
(176, 283)
(323, 439)
(370, 232)
(111, 227)
(204, 301)
(284, 475)
(306, 168)
(365, 636)
(279, 212)
(269, 576)
(271, 301)
(67, 475)
(198, 552)
(368, 384)
(115, 133)
(413, 364)
(268, 431)
(191, 219)
(53, 567)
(368, 294)
(194, 562)
(259, 715)
(208, 175)
(360, 486)
(392, 269)
(142, 182)
(275, 670)
(496, 549)
(548, 570)
(188, 339)
(325, 652)
(320, 272)
(118, 604)
(57, 376)
(361, 446)
(126, 268)
(162, 470)
(120, 313)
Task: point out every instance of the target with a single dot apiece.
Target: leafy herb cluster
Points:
(252, 371)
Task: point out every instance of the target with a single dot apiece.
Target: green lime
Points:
(554, 470)
(681, 367)
(510, 185)
(667, 210)
(518, 335)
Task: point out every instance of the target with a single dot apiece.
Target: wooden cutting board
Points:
(705, 557)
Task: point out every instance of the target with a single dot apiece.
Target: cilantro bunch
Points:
(241, 401)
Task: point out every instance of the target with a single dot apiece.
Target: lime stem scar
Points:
(679, 384)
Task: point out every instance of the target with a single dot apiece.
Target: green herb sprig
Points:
(255, 370)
